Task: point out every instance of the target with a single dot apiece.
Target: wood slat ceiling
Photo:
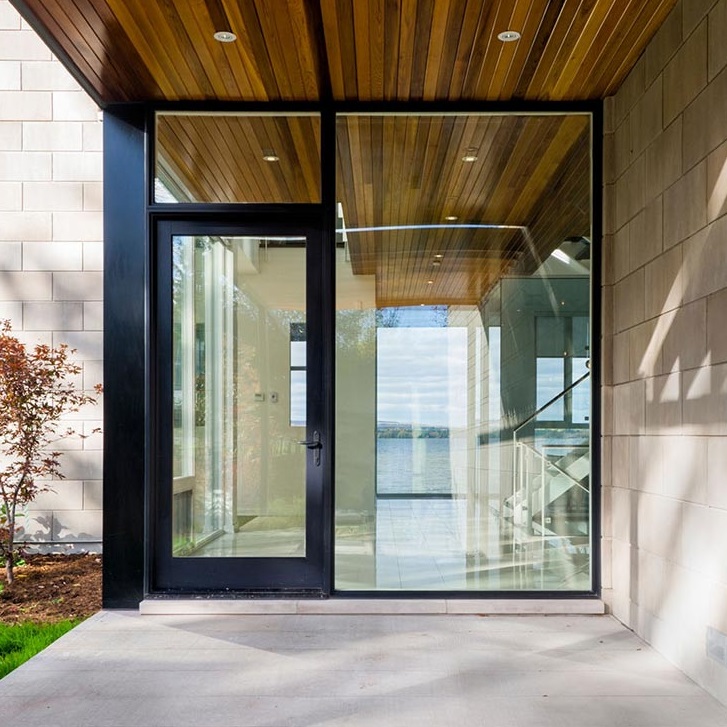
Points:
(532, 173)
(350, 49)
(530, 182)
(213, 159)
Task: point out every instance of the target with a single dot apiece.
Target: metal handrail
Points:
(547, 404)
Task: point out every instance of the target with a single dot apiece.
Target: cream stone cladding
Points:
(51, 254)
(665, 345)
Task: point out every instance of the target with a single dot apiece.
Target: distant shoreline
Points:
(403, 431)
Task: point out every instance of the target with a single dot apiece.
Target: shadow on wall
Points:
(669, 460)
(53, 536)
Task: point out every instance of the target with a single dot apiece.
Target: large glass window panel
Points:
(237, 157)
(239, 473)
(463, 288)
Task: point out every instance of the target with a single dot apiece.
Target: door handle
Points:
(316, 445)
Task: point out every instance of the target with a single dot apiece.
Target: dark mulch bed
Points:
(51, 588)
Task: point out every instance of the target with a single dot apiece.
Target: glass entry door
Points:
(242, 441)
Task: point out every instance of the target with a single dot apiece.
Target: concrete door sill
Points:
(353, 606)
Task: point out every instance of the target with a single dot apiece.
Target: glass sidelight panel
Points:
(462, 353)
(239, 380)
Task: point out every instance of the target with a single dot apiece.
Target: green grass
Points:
(18, 642)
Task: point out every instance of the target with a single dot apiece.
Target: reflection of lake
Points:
(406, 466)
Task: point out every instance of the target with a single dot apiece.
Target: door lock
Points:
(316, 445)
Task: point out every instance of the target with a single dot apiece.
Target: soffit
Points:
(304, 50)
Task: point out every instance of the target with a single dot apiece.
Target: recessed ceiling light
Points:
(470, 154)
(269, 155)
(430, 282)
(436, 263)
(451, 218)
(508, 36)
(439, 256)
(225, 36)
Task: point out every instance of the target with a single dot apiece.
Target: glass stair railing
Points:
(549, 508)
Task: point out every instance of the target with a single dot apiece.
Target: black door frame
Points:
(130, 213)
(302, 576)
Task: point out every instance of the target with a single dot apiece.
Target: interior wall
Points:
(51, 257)
(665, 345)
(270, 478)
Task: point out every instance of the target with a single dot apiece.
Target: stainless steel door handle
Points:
(316, 445)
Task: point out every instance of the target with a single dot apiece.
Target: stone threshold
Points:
(373, 606)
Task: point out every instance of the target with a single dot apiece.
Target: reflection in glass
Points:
(239, 474)
(463, 294)
(237, 157)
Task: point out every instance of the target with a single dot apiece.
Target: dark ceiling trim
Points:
(515, 106)
(57, 50)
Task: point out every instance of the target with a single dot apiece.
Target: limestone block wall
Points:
(51, 253)
(665, 344)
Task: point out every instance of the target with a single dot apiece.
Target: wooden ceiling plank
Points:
(249, 183)
(508, 51)
(310, 64)
(186, 29)
(538, 47)
(498, 21)
(163, 69)
(548, 162)
(555, 47)
(363, 50)
(407, 44)
(245, 18)
(212, 156)
(190, 151)
(464, 46)
(391, 50)
(377, 35)
(52, 17)
(424, 13)
(333, 47)
(348, 44)
(482, 38)
(241, 54)
(629, 51)
(607, 38)
(581, 49)
(89, 25)
(213, 56)
(524, 47)
(307, 133)
(284, 50)
(437, 51)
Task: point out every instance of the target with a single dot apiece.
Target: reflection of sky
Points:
(422, 376)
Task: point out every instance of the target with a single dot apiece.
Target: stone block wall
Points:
(51, 253)
(665, 344)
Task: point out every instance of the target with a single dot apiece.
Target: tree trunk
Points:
(10, 545)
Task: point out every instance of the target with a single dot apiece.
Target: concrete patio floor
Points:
(120, 668)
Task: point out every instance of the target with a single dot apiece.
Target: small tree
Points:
(34, 394)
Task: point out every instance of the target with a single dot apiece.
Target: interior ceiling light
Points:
(225, 36)
(470, 154)
(430, 282)
(436, 263)
(508, 36)
(451, 218)
(269, 155)
(439, 256)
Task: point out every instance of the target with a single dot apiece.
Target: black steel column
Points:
(125, 306)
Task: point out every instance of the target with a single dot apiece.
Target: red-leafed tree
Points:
(36, 390)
